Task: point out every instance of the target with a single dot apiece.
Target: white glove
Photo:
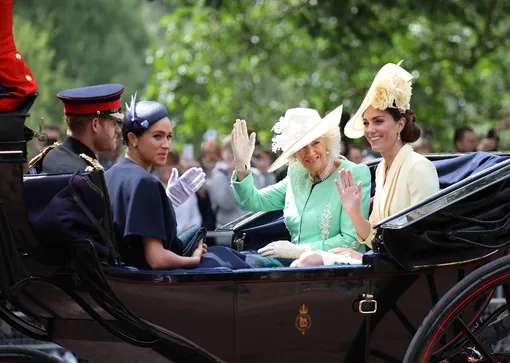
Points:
(180, 189)
(283, 249)
(242, 146)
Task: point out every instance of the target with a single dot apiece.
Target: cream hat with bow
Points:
(391, 87)
(299, 127)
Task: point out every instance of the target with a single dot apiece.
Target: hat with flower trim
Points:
(391, 87)
(299, 127)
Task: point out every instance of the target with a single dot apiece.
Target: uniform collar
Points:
(78, 147)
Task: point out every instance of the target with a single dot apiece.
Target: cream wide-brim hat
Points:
(317, 129)
(354, 127)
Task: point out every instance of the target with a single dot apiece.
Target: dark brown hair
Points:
(411, 131)
(77, 123)
(125, 131)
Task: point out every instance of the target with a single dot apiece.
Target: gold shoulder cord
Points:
(94, 164)
(42, 154)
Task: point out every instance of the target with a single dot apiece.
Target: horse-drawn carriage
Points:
(438, 264)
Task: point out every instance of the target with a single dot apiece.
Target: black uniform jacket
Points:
(69, 157)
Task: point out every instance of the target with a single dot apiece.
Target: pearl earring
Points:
(398, 135)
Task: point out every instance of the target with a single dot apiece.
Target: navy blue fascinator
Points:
(139, 116)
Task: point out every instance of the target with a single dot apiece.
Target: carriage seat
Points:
(456, 169)
(452, 170)
(56, 218)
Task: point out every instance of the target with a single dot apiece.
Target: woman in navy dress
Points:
(143, 211)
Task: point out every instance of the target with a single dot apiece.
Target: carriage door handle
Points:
(367, 304)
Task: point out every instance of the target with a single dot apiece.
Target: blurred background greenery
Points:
(212, 61)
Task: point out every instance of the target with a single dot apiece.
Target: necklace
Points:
(325, 174)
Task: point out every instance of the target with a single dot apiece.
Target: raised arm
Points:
(249, 198)
(242, 147)
(351, 196)
(267, 199)
(347, 237)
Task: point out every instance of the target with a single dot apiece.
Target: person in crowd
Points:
(93, 116)
(423, 145)
(187, 214)
(490, 142)
(262, 161)
(211, 153)
(311, 145)
(465, 140)
(354, 155)
(210, 156)
(223, 200)
(403, 177)
(143, 211)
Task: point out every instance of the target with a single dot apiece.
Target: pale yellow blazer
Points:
(411, 178)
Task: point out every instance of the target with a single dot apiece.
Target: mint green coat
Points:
(313, 214)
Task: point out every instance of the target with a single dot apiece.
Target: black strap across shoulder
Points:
(114, 253)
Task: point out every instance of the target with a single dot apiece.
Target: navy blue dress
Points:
(141, 208)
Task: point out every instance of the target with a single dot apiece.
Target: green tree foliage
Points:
(48, 71)
(249, 62)
(86, 42)
(254, 59)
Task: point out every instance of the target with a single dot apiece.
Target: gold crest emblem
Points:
(303, 321)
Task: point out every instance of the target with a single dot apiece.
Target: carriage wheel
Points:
(487, 339)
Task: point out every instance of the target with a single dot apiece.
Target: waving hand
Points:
(350, 193)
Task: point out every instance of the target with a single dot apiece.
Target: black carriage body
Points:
(365, 313)
(293, 316)
(278, 315)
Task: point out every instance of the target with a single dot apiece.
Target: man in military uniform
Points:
(17, 83)
(93, 116)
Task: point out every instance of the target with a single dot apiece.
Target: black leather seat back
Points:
(57, 217)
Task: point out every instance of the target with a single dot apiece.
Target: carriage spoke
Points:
(471, 337)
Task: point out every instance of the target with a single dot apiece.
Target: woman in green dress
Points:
(311, 145)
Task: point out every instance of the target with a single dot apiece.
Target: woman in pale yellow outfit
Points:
(403, 178)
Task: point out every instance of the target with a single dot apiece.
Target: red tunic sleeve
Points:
(16, 79)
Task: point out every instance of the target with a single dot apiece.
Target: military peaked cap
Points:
(103, 100)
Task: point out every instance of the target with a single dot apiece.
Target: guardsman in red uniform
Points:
(93, 116)
(17, 83)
